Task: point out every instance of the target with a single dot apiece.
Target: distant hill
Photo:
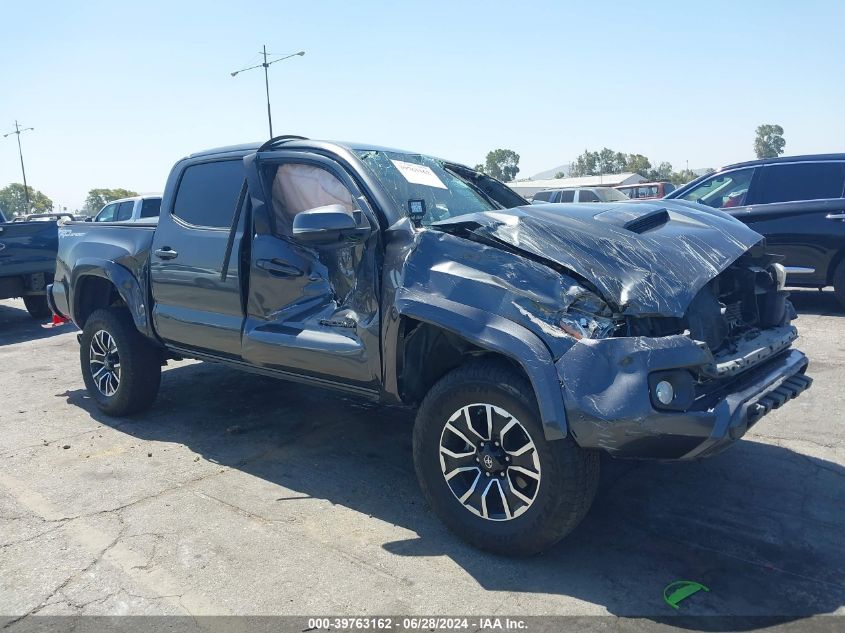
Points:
(551, 173)
(554, 171)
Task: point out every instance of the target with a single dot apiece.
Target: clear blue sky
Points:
(117, 93)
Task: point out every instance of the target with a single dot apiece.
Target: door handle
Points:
(278, 268)
(835, 216)
(166, 253)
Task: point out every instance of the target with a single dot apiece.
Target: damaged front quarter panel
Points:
(572, 282)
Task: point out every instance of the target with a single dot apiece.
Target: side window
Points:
(724, 190)
(298, 187)
(208, 193)
(567, 196)
(151, 208)
(800, 181)
(107, 214)
(585, 195)
(545, 196)
(124, 211)
(668, 188)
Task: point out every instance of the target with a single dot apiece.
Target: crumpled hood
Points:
(646, 259)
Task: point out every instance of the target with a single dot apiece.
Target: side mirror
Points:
(331, 225)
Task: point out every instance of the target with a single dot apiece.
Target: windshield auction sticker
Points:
(418, 174)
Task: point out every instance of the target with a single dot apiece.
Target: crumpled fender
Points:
(491, 332)
(605, 385)
(121, 278)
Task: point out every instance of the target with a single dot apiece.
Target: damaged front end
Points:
(686, 387)
(670, 331)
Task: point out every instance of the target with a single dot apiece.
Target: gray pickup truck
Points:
(530, 337)
(27, 261)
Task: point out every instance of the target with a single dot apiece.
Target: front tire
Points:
(121, 369)
(37, 306)
(486, 468)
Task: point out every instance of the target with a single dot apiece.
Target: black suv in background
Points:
(797, 202)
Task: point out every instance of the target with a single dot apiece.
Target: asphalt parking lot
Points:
(237, 494)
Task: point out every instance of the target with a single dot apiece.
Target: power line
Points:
(17, 131)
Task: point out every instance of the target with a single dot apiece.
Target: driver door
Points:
(311, 311)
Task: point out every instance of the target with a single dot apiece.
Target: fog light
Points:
(665, 392)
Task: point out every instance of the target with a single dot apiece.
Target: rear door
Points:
(194, 307)
(800, 209)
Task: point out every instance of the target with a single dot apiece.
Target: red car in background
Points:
(647, 190)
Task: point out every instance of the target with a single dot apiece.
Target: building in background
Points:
(527, 188)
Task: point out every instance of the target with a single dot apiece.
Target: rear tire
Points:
(532, 497)
(839, 283)
(37, 306)
(121, 369)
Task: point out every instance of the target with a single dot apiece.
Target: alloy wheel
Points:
(490, 462)
(104, 361)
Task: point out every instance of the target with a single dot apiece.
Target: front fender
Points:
(121, 278)
(496, 334)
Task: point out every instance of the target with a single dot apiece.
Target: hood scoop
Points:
(635, 220)
(648, 221)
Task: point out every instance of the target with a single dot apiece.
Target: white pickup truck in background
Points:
(135, 209)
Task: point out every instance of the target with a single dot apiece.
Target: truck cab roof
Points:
(288, 142)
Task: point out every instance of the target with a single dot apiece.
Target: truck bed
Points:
(27, 248)
(100, 245)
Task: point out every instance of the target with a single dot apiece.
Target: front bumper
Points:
(609, 406)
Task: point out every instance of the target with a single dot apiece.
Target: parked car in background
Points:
(45, 217)
(529, 339)
(797, 202)
(134, 209)
(27, 262)
(579, 194)
(646, 190)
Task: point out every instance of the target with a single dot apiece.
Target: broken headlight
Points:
(588, 317)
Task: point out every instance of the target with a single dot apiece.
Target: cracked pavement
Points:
(237, 494)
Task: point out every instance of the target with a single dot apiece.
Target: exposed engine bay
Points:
(743, 315)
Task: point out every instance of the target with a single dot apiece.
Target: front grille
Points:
(733, 313)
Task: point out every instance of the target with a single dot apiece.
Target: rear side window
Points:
(124, 211)
(585, 195)
(567, 196)
(208, 193)
(545, 196)
(151, 208)
(668, 188)
(800, 181)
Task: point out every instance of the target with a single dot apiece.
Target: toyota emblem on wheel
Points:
(488, 462)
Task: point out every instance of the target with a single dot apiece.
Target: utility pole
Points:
(267, 90)
(17, 131)
(266, 65)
